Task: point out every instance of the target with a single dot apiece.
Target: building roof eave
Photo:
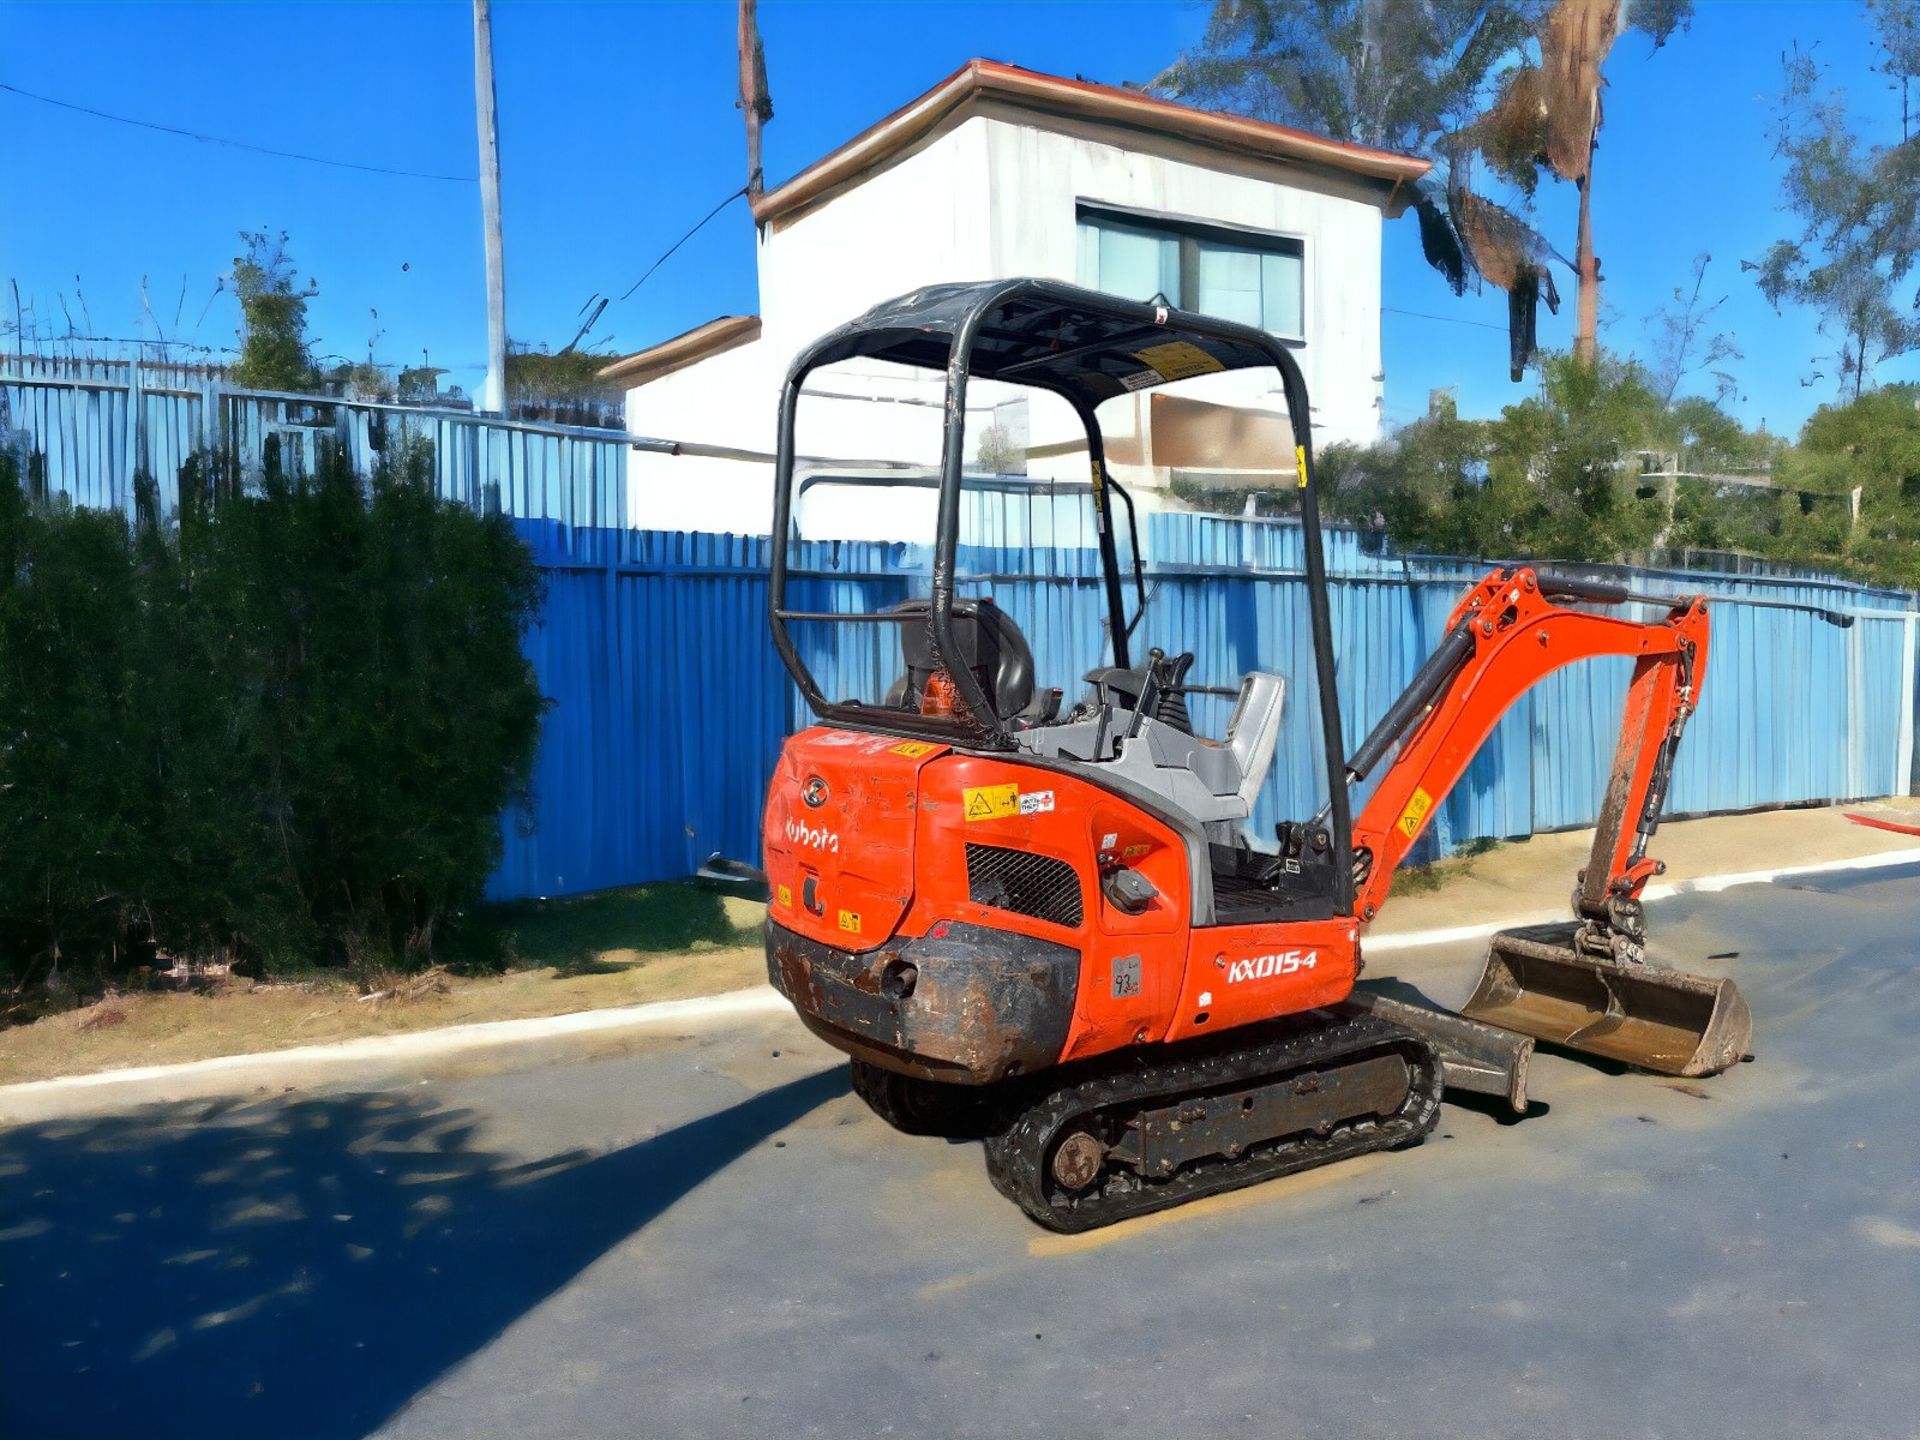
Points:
(990, 80)
(702, 342)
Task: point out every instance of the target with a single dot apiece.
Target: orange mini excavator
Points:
(1045, 925)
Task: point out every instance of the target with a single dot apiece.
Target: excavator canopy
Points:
(1046, 334)
(1086, 347)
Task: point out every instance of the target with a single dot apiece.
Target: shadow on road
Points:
(301, 1269)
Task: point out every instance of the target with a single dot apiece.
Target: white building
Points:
(999, 172)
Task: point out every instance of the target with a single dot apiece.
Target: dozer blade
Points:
(1480, 1058)
(1657, 1019)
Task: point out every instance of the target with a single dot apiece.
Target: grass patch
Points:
(1426, 879)
(1419, 880)
(574, 934)
(619, 947)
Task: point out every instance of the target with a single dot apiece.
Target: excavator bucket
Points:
(1669, 1021)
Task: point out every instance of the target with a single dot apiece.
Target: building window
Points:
(1237, 275)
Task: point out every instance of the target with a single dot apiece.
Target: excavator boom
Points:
(1584, 984)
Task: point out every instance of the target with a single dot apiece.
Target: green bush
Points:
(1552, 477)
(1873, 443)
(283, 728)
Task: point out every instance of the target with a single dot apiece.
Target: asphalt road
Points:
(710, 1236)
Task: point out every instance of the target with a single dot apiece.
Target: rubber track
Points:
(922, 1107)
(1017, 1157)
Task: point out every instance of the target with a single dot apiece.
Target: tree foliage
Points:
(1872, 443)
(1411, 78)
(563, 387)
(1858, 205)
(1597, 467)
(273, 317)
(1554, 477)
(1509, 85)
(285, 728)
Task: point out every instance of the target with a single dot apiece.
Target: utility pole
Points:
(1586, 30)
(493, 399)
(755, 104)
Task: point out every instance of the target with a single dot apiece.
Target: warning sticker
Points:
(991, 802)
(913, 749)
(1300, 463)
(850, 922)
(1416, 811)
(1003, 802)
(1178, 360)
(784, 896)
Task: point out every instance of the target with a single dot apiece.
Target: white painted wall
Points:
(995, 197)
(1039, 178)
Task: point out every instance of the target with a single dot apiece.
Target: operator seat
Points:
(1214, 782)
(991, 646)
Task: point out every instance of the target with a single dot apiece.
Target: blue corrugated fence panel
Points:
(644, 771)
(669, 705)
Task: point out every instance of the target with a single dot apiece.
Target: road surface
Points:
(708, 1235)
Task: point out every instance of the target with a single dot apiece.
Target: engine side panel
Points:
(838, 834)
(923, 844)
(1241, 974)
(1132, 966)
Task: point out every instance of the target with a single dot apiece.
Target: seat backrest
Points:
(991, 646)
(1254, 730)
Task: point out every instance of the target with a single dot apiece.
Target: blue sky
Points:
(618, 131)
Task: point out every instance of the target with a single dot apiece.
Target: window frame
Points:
(1189, 233)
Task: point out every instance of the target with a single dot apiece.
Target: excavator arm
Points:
(1508, 633)
(1584, 984)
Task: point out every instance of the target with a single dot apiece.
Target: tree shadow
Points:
(301, 1269)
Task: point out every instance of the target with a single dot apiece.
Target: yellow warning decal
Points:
(850, 922)
(1098, 477)
(784, 895)
(1178, 360)
(1300, 463)
(913, 749)
(1415, 812)
(991, 802)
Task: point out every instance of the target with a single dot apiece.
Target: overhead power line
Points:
(234, 144)
(668, 253)
(1443, 319)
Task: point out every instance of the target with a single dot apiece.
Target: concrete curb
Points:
(760, 1000)
(447, 1040)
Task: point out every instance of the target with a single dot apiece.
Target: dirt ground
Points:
(1512, 882)
(241, 1018)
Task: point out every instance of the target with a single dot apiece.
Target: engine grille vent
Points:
(1024, 883)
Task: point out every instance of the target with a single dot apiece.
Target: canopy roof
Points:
(1078, 343)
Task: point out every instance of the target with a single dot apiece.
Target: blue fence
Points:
(96, 424)
(670, 705)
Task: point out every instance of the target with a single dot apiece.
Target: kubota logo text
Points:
(801, 833)
(1261, 967)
